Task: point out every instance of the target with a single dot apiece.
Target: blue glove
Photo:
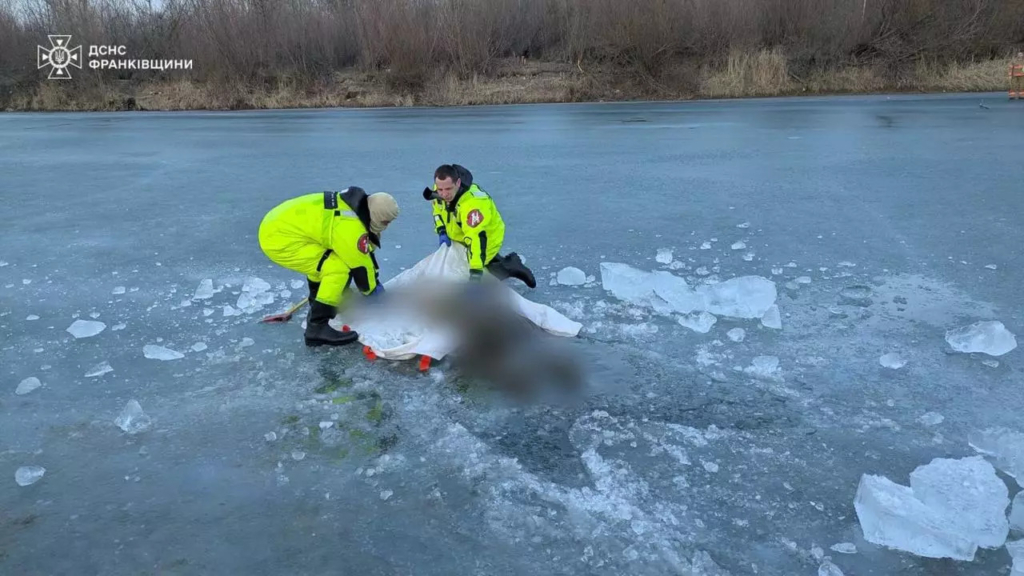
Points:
(377, 293)
(442, 238)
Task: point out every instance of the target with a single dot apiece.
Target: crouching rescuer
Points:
(330, 237)
(466, 214)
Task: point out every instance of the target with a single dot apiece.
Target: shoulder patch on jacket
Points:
(474, 218)
(363, 244)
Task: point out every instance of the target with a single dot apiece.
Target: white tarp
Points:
(402, 334)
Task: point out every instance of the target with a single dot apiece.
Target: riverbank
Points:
(514, 81)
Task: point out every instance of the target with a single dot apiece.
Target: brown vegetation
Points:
(287, 53)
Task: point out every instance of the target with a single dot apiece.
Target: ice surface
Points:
(571, 276)
(971, 494)
(664, 256)
(891, 516)
(28, 475)
(827, 568)
(1016, 550)
(698, 322)
(845, 548)
(132, 419)
(1017, 512)
(99, 370)
(28, 385)
(1005, 446)
(154, 352)
(736, 334)
(987, 337)
(204, 291)
(931, 419)
(892, 360)
(772, 318)
(85, 328)
(255, 295)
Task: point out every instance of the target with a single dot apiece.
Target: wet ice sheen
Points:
(951, 508)
(987, 337)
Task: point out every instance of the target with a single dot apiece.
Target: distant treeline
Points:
(412, 42)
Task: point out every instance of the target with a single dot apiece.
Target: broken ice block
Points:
(99, 370)
(28, 475)
(255, 295)
(1005, 446)
(891, 516)
(1017, 512)
(827, 568)
(27, 385)
(736, 334)
(204, 291)
(738, 246)
(845, 548)
(85, 328)
(571, 276)
(892, 360)
(764, 367)
(1016, 550)
(132, 419)
(772, 318)
(970, 494)
(664, 256)
(931, 419)
(988, 337)
(154, 352)
(700, 322)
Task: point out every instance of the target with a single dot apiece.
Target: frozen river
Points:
(883, 222)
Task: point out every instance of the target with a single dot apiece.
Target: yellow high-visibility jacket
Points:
(471, 219)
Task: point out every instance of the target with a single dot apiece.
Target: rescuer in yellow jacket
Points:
(330, 237)
(466, 214)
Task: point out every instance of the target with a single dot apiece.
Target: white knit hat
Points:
(383, 209)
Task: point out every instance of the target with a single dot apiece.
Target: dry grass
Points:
(763, 74)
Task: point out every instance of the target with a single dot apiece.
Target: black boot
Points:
(516, 269)
(314, 287)
(319, 332)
